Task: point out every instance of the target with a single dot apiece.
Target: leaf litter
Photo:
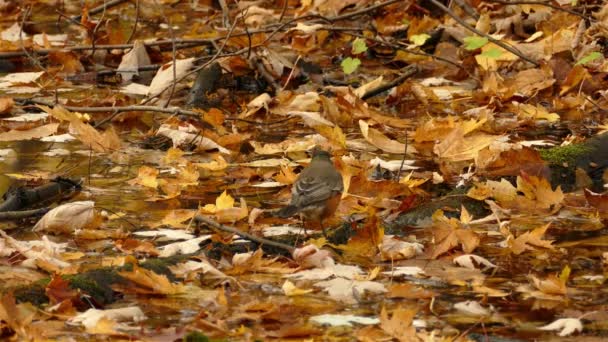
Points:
(459, 220)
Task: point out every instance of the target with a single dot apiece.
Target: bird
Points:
(317, 191)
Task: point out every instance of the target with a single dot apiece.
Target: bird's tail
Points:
(286, 212)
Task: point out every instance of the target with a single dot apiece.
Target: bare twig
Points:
(32, 58)
(403, 159)
(135, 108)
(94, 31)
(283, 10)
(262, 241)
(135, 23)
(225, 13)
(363, 10)
(173, 54)
(409, 71)
(490, 38)
(100, 8)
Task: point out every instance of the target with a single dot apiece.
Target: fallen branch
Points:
(410, 70)
(21, 214)
(100, 8)
(262, 241)
(21, 198)
(138, 108)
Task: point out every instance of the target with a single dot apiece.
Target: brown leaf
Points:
(598, 201)
(6, 105)
(409, 291)
(148, 282)
(399, 325)
(107, 141)
(59, 290)
(34, 133)
(530, 240)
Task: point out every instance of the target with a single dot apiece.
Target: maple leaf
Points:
(539, 190)
(224, 209)
(530, 240)
(17, 317)
(59, 290)
(146, 176)
(449, 233)
(367, 240)
(598, 201)
(149, 282)
(399, 325)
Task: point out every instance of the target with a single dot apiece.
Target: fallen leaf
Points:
(381, 141)
(69, 217)
(400, 324)
(34, 133)
(566, 326)
(529, 241)
(144, 281)
(164, 76)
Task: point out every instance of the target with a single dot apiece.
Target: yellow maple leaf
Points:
(530, 240)
(146, 176)
(449, 232)
(149, 282)
(539, 190)
(399, 325)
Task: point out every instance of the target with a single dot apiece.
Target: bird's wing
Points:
(309, 190)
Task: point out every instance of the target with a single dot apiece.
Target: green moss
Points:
(161, 265)
(196, 336)
(97, 283)
(565, 155)
(34, 293)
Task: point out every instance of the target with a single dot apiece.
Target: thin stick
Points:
(137, 108)
(474, 30)
(34, 60)
(100, 8)
(402, 160)
(410, 70)
(217, 225)
(283, 10)
(173, 55)
(136, 22)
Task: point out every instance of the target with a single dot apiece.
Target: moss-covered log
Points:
(590, 157)
(97, 283)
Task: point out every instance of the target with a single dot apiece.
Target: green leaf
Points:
(474, 42)
(419, 39)
(493, 53)
(359, 46)
(590, 57)
(349, 65)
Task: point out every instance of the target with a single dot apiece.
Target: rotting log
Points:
(23, 198)
(96, 284)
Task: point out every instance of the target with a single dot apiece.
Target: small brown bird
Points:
(317, 191)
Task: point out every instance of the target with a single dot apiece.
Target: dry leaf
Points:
(34, 133)
(566, 326)
(381, 141)
(400, 324)
(69, 217)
